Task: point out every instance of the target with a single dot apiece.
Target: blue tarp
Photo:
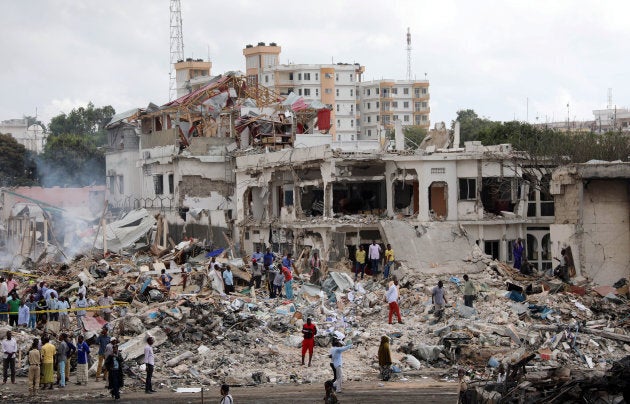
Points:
(514, 295)
(215, 253)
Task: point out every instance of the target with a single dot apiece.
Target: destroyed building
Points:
(592, 214)
(333, 199)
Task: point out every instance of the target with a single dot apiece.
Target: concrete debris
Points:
(206, 337)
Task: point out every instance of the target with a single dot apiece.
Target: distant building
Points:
(191, 75)
(383, 102)
(612, 119)
(32, 137)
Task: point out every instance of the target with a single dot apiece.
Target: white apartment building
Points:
(382, 102)
(334, 85)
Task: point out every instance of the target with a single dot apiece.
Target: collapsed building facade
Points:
(334, 199)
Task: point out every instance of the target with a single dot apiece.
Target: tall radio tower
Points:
(408, 54)
(177, 45)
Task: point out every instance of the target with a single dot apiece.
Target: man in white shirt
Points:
(4, 289)
(337, 361)
(82, 289)
(9, 350)
(374, 255)
(105, 301)
(149, 362)
(81, 303)
(392, 299)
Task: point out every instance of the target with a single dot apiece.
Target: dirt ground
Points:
(411, 391)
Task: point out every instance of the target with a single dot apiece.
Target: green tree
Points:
(89, 121)
(71, 160)
(17, 166)
(471, 126)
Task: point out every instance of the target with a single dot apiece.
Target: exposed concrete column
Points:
(390, 174)
(328, 199)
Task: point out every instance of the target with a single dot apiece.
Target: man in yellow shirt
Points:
(389, 260)
(359, 257)
(48, 355)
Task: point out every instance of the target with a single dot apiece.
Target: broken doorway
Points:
(438, 198)
(406, 197)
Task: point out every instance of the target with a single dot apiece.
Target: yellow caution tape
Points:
(6, 271)
(91, 308)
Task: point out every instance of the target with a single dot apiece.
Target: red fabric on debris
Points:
(323, 119)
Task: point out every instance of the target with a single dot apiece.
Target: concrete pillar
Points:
(389, 187)
(328, 199)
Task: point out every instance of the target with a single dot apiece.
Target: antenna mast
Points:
(177, 45)
(408, 54)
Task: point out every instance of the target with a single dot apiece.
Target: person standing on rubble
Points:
(42, 307)
(11, 284)
(389, 260)
(4, 310)
(62, 356)
(316, 268)
(438, 297)
(81, 304)
(114, 364)
(48, 360)
(278, 281)
(23, 314)
(287, 261)
(149, 362)
(4, 288)
(309, 330)
(391, 296)
(83, 353)
(374, 255)
(106, 302)
(9, 350)
(469, 291)
(32, 307)
(256, 274)
(288, 282)
(228, 280)
(258, 256)
(268, 258)
(337, 361)
(34, 365)
(385, 358)
(14, 309)
(102, 340)
(52, 304)
(64, 318)
(82, 289)
(359, 257)
(517, 252)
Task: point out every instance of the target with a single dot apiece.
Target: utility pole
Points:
(177, 45)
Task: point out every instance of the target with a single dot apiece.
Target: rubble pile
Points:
(553, 338)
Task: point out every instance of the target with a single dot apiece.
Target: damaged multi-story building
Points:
(333, 199)
(592, 217)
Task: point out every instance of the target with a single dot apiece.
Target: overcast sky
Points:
(491, 56)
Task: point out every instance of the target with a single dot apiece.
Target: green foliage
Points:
(471, 126)
(88, 121)
(71, 160)
(414, 136)
(16, 163)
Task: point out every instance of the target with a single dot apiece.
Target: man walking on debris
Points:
(391, 296)
(389, 261)
(309, 330)
(517, 252)
(149, 361)
(438, 298)
(316, 266)
(105, 302)
(288, 282)
(374, 255)
(337, 361)
(278, 281)
(64, 318)
(469, 291)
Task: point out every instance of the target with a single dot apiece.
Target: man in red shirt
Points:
(309, 331)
